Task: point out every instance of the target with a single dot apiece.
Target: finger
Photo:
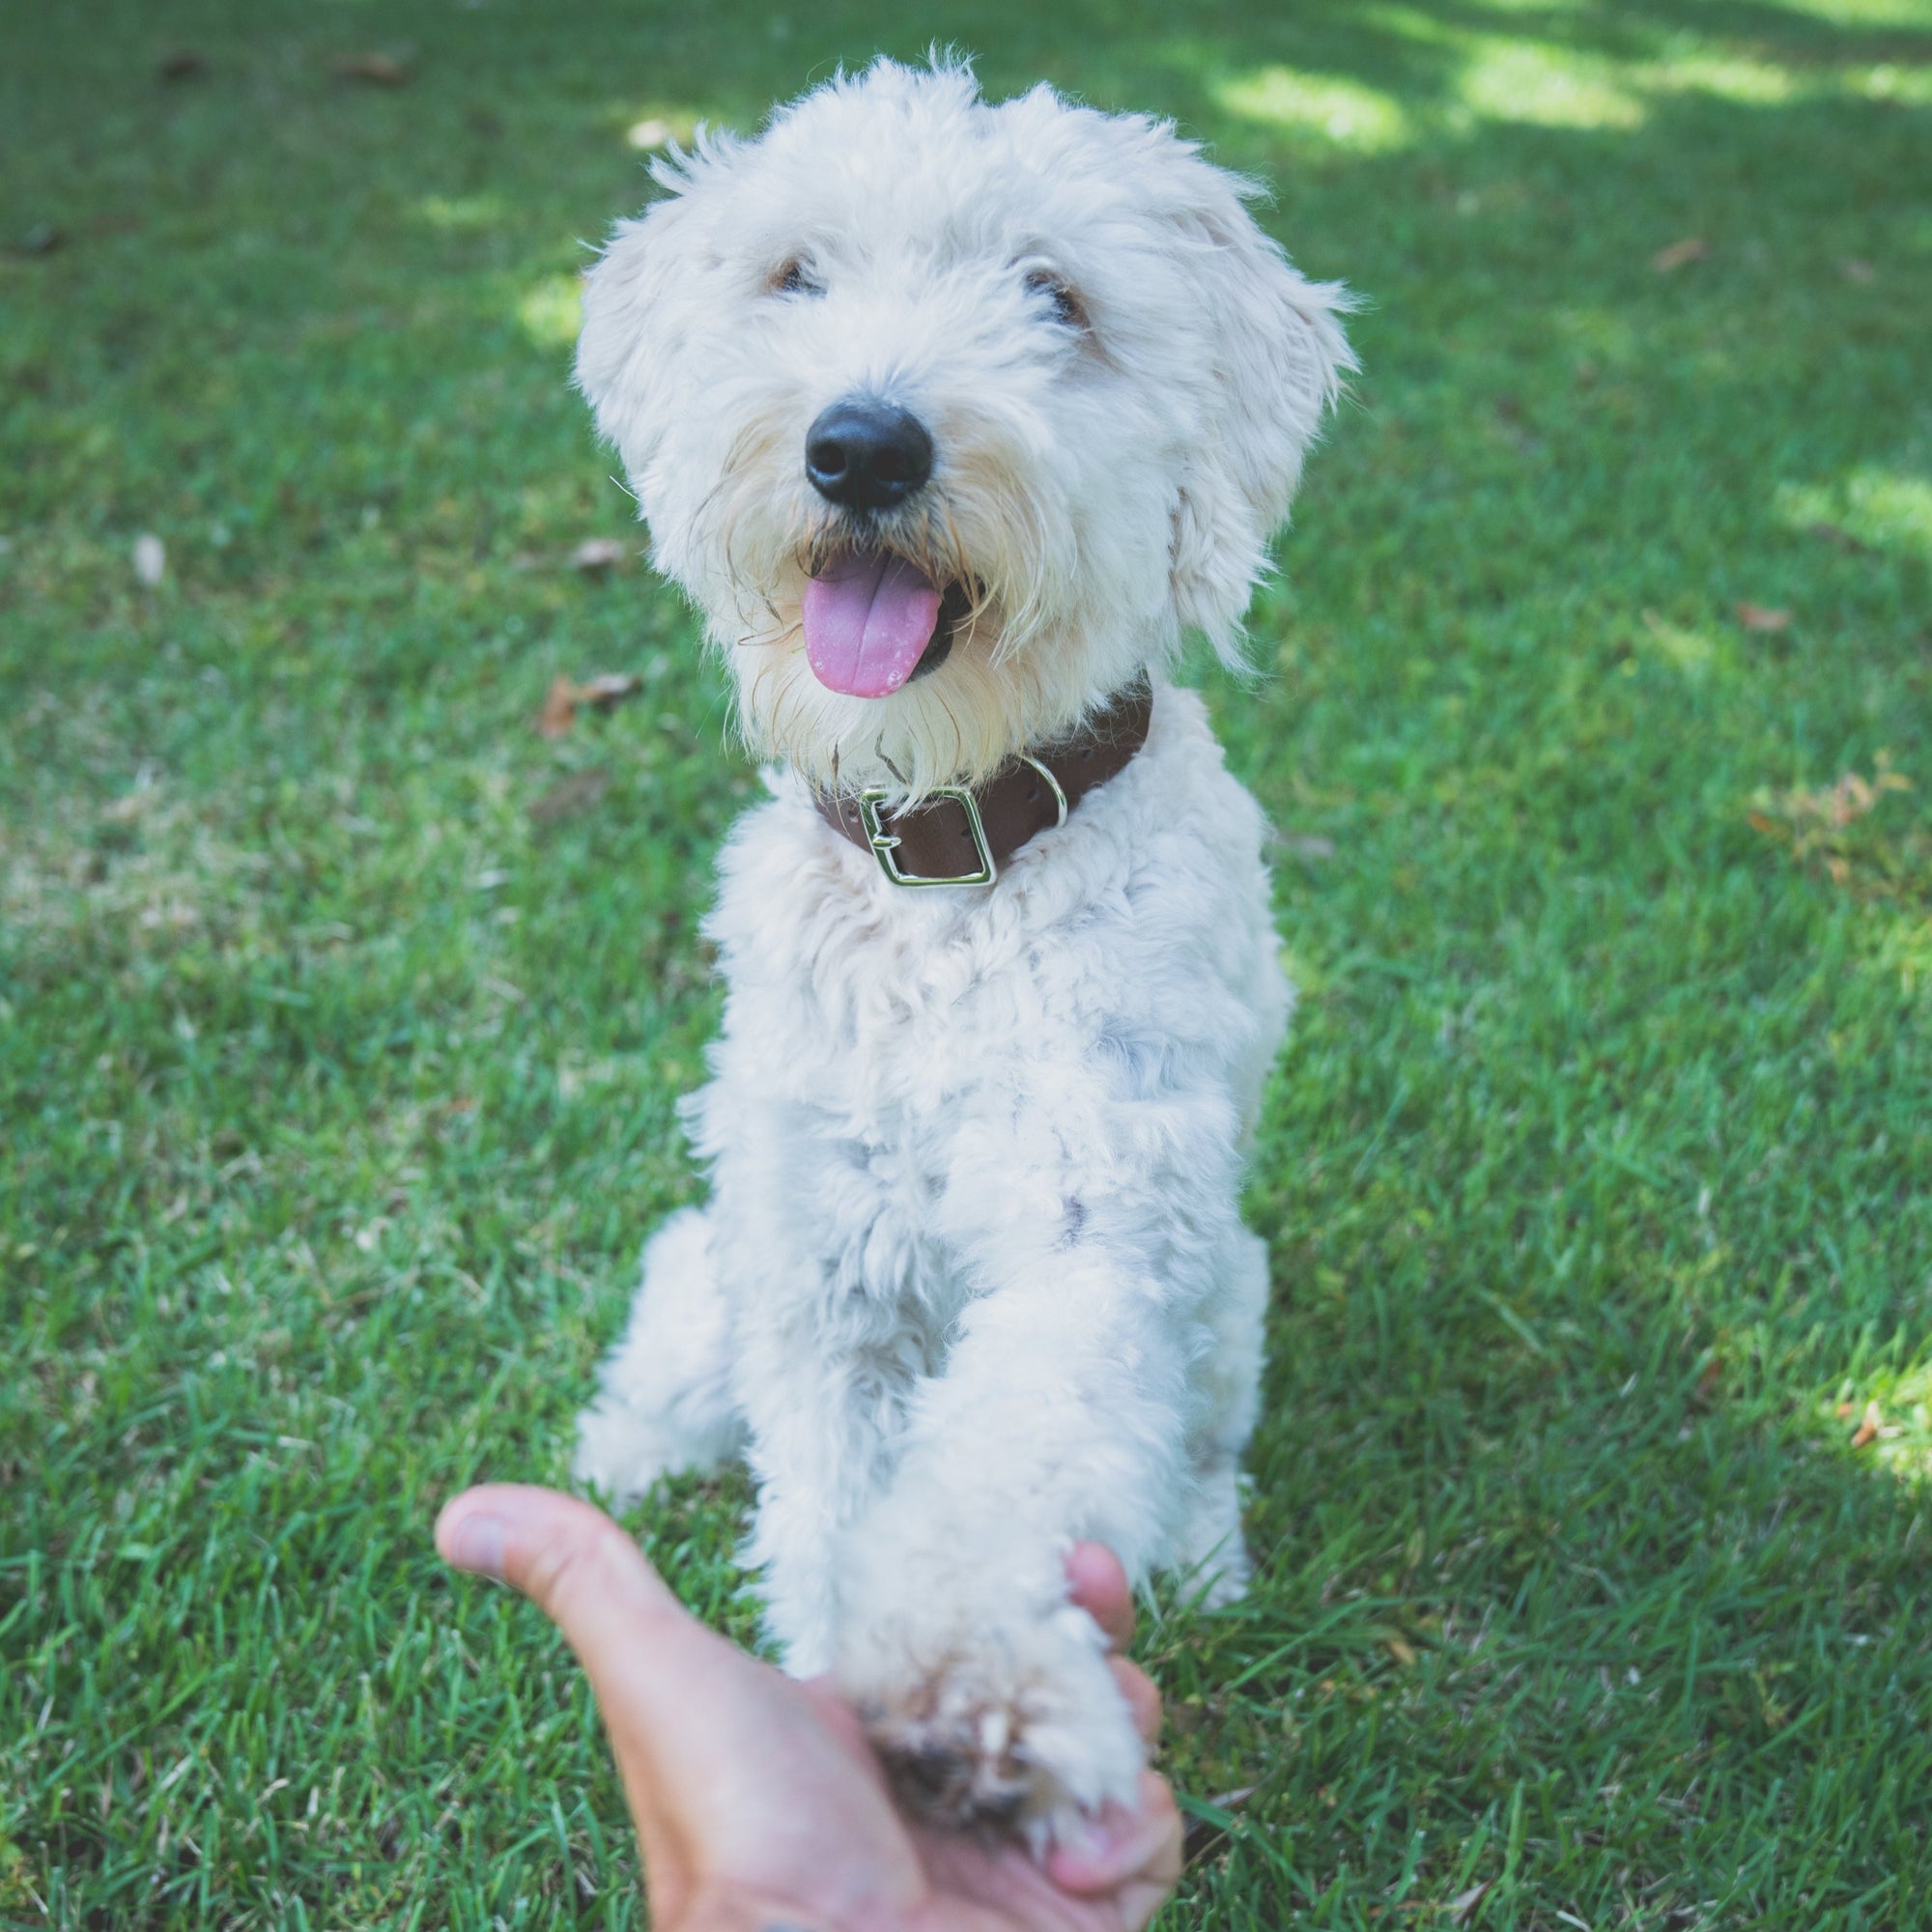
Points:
(633, 1637)
(1134, 1854)
(730, 1767)
(1152, 1882)
(574, 1564)
(1142, 1697)
(1099, 1584)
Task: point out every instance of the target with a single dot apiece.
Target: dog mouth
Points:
(873, 621)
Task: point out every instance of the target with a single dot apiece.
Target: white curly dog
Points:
(952, 417)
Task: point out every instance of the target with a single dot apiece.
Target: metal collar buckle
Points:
(885, 844)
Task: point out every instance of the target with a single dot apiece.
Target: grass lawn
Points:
(342, 1014)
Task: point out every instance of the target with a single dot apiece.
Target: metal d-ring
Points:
(1059, 796)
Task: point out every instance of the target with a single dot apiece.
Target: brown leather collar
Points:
(961, 835)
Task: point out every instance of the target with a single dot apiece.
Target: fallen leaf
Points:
(151, 560)
(1762, 617)
(559, 709)
(1839, 538)
(1463, 1906)
(647, 134)
(183, 64)
(1707, 1383)
(1692, 248)
(608, 689)
(1401, 1650)
(597, 555)
(569, 796)
(1868, 1426)
(604, 692)
(1853, 269)
(1845, 1409)
(378, 70)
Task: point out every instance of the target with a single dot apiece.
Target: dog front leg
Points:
(825, 1409)
(1061, 1414)
(666, 1403)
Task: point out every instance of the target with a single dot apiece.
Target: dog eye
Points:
(790, 278)
(1065, 304)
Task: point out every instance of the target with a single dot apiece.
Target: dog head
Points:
(952, 417)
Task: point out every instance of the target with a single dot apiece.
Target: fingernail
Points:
(1098, 1851)
(1093, 1840)
(477, 1544)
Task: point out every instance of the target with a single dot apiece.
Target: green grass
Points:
(336, 1084)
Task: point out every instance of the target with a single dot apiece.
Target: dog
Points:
(954, 419)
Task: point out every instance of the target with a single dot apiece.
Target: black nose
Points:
(867, 455)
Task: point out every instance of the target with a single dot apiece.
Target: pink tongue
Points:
(868, 622)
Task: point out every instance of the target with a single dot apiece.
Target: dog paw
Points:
(620, 1453)
(1023, 1736)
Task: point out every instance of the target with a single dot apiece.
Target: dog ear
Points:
(637, 312)
(1277, 359)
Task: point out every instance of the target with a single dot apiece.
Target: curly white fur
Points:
(972, 1282)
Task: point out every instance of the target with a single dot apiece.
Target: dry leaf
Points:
(1692, 248)
(1462, 1907)
(1845, 1409)
(1868, 1425)
(151, 560)
(608, 689)
(1813, 819)
(605, 690)
(571, 795)
(183, 64)
(1853, 269)
(1707, 1383)
(1401, 1650)
(380, 69)
(559, 709)
(597, 555)
(1762, 617)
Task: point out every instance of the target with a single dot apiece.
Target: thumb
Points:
(658, 1673)
(575, 1565)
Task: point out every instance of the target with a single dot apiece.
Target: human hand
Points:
(759, 1804)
